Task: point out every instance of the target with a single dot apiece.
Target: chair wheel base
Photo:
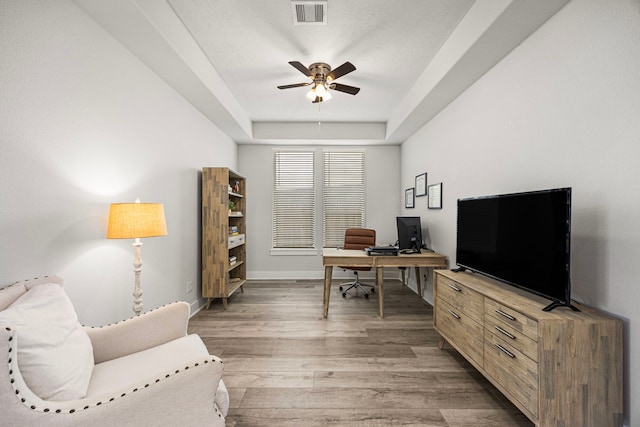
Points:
(344, 294)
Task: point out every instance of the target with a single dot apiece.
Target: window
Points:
(293, 200)
(343, 195)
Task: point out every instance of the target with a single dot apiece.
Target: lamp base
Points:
(137, 269)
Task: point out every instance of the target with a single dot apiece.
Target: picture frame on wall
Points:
(435, 196)
(409, 198)
(421, 185)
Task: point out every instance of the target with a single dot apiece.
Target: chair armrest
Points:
(182, 396)
(151, 329)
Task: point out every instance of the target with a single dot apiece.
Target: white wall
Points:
(382, 180)
(563, 109)
(84, 124)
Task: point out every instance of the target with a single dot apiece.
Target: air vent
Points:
(309, 12)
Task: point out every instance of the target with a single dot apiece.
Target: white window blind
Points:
(343, 195)
(293, 199)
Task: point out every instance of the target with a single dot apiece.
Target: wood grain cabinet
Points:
(559, 368)
(224, 254)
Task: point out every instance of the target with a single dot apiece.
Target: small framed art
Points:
(435, 196)
(421, 185)
(409, 198)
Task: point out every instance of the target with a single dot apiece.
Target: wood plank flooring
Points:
(286, 365)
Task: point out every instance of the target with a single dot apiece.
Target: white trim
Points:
(195, 308)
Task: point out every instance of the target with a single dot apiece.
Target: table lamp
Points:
(135, 221)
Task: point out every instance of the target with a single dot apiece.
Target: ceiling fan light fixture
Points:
(322, 77)
(311, 95)
(319, 93)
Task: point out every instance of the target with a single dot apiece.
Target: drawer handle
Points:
(455, 288)
(508, 316)
(453, 314)
(502, 331)
(505, 351)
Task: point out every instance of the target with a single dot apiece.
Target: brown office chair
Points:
(358, 238)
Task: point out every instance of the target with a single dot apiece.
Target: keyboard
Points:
(382, 250)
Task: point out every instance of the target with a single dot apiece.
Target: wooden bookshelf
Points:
(223, 233)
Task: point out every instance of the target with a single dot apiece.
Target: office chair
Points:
(358, 238)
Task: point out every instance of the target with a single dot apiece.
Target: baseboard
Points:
(195, 307)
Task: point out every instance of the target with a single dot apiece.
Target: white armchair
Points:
(140, 372)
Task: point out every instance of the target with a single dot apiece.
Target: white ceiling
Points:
(412, 58)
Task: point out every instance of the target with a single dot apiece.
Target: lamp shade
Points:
(136, 220)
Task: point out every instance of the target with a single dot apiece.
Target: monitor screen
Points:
(409, 234)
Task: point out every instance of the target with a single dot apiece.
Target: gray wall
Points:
(83, 124)
(382, 178)
(563, 109)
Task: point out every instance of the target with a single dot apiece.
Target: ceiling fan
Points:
(323, 80)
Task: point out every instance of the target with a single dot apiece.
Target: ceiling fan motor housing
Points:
(319, 71)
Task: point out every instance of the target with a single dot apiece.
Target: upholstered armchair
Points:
(139, 372)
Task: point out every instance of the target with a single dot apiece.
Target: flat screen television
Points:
(522, 239)
(409, 234)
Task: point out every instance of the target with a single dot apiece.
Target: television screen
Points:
(522, 239)
(409, 234)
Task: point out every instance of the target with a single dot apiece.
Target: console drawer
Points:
(512, 318)
(460, 297)
(512, 336)
(515, 372)
(460, 330)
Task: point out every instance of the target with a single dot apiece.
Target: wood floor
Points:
(285, 365)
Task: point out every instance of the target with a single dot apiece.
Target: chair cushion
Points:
(148, 365)
(54, 352)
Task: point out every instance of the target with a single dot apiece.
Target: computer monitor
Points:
(409, 234)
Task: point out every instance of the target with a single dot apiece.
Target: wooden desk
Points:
(357, 258)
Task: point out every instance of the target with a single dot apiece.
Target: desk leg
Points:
(328, 271)
(418, 282)
(380, 284)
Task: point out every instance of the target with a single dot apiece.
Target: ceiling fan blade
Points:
(345, 68)
(351, 90)
(294, 85)
(298, 66)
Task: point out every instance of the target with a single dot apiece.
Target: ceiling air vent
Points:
(309, 12)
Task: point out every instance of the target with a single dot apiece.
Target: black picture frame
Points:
(421, 185)
(435, 196)
(409, 198)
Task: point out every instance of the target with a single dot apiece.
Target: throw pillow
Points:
(55, 355)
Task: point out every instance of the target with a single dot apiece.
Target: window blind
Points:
(343, 195)
(293, 199)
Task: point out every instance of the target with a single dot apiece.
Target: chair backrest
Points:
(359, 238)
